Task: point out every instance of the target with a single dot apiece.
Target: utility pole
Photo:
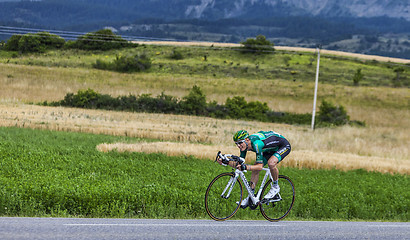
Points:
(316, 83)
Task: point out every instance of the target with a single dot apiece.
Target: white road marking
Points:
(163, 224)
(408, 225)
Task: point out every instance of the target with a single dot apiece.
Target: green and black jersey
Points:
(268, 143)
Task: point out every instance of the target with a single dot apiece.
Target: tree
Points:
(30, 43)
(396, 80)
(50, 41)
(194, 102)
(103, 40)
(37, 42)
(259, 44)
(358, 77)
(330, 114)
(13, 43)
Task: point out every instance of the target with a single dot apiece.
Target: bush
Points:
(103, 40)
(289, 118)
(238, 108)
(332, 115)
(135, 63)
(13, 43)
(176, 55)
(259, 44)
(38, 42)
(83, 99)
(216, 110)
(195, 102)
(50, 41)
(30, 43)
(358, 77)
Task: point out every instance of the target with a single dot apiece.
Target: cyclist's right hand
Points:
(219, 160)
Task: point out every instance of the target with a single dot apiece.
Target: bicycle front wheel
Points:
(280, 206)
(223, 196)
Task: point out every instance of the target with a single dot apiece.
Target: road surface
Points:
(93, 228)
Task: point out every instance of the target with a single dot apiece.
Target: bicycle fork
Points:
(229, 186)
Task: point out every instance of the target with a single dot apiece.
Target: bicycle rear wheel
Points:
(222, 196)
(280, 206)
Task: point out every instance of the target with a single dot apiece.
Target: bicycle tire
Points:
(279, 207)
(218, 207)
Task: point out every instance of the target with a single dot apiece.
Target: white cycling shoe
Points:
(272, 193)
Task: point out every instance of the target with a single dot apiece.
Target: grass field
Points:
(61, 174)
(283, 80)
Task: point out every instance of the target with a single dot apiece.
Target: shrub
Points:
(396, 80)
(332, 115)
(358, 76)
(135, 63)
(195, 102)
(259, 44)
(236, 107)
(216, 110)
(289, 118)
(13, 43)
(38, 42)
(50, 41)
(167, 104)
(103, 40)
(83, 99)
(176, 55)
(30, 43)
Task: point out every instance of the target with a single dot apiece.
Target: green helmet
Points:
(240, 135)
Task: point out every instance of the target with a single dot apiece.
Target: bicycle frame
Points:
(238, 173)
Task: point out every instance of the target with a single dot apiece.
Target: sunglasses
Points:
(239, 142)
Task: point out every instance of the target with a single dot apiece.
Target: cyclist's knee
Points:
(273, 161)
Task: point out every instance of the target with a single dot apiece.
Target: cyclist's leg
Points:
(254, 178)
(272, 164)
(277, 157)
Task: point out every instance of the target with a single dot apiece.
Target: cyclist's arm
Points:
(232, 164)
(255, 167)
(257, 146)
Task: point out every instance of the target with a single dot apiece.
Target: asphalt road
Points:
(93, 228)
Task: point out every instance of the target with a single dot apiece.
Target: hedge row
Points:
(102, 40)
(195, 104)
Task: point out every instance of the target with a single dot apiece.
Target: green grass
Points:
(61, 174)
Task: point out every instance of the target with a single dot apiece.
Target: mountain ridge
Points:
(334, 24)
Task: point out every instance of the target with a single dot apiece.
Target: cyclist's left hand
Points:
(241, 167)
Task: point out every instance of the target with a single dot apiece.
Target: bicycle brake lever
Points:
(217, 155)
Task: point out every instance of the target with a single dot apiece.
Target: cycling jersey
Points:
(268, 143)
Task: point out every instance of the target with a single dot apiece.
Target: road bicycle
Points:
(225, 193)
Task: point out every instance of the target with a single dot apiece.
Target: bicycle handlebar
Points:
(229, 157)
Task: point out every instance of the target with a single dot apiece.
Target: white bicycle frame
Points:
(239, 173)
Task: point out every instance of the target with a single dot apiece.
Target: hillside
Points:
(369, 27)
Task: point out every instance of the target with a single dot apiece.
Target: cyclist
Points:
(270, 148)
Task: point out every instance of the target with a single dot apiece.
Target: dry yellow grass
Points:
(375, 148)
(297, 158)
